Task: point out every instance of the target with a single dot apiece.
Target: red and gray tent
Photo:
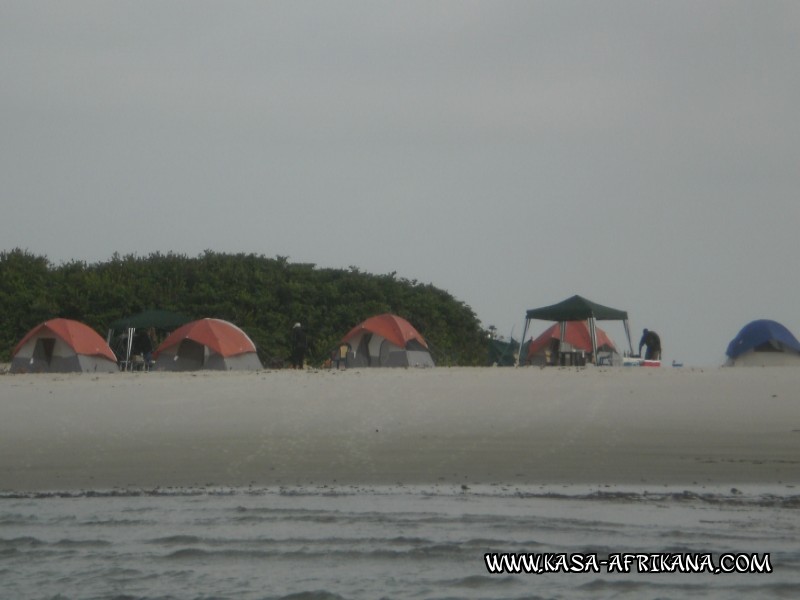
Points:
(62, 345)
(386, 341)
(207, 344)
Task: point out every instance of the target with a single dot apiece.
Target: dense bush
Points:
(263, 296)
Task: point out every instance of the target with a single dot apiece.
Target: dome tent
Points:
(62, 346)
(763, 343)
(207, 344)
(386, 341)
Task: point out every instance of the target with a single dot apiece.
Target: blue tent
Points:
(762, 335)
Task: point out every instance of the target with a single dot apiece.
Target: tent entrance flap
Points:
(44, 350)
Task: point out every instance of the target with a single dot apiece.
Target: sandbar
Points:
(599, 426)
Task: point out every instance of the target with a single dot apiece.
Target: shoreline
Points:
(444, 426)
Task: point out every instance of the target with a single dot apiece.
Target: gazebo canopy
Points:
(160, 319)
(157, 319)
(577, 308)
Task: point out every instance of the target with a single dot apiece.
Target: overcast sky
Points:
(645, 155)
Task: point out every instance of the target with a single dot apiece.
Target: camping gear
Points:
(63, 345)
(762, 343)
(577, 338)
(577, 308)
(386, 341)
(207, 344)
(162, 321)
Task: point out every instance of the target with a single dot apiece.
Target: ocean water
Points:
(389, 542)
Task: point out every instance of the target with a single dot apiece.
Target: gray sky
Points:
(643, 154)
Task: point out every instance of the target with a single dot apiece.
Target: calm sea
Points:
(389, 542)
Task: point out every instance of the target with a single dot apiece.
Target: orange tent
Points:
(62, 345)
(207, 344)
(393, 328)
(387, 340)
(576, 334)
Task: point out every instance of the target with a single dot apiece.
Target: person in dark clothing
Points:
(653, 343)
(142, 347)
(299, 346)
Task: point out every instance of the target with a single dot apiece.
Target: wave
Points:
(312, 595)
(344, 552)
(476, 582)
(17, 519)
(187, 540)
(673, 587)
(21, 542)
(309, 595)
(732, 497)
(67, 543)
(94, 522)
(171, 540)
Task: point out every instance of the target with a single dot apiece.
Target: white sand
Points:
(527, 426)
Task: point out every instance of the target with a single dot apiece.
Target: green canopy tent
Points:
(162, 320)
(578, 308)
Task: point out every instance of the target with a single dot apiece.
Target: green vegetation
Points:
(263, 296)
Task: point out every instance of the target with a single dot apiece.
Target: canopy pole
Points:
(628, 333)
(593, 334)
(522, 341)
(131, 331)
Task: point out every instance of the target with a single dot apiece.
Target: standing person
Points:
(341, 358)
(299, 346)
(653, 343)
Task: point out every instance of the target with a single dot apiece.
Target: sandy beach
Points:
(397, 426)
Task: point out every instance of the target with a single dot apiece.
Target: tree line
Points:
(263, 296)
